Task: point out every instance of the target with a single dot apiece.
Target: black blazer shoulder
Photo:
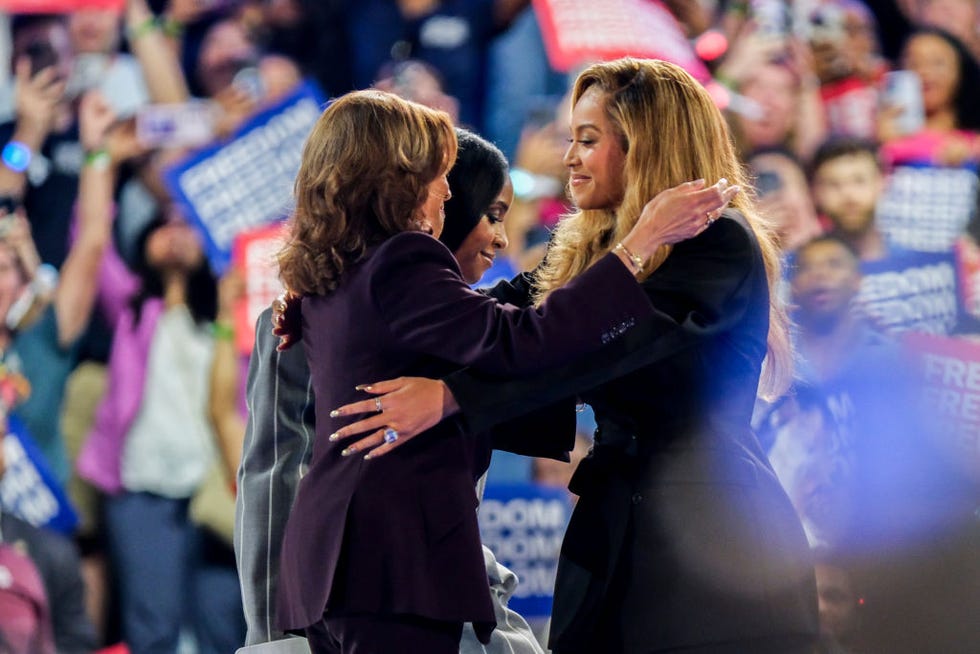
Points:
(704, 288)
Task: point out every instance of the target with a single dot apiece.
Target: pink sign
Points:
(57, 6)
(578, 32)
(254, 254)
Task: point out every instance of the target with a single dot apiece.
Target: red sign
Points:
(57, 6)
(254, 254)
(951, 378)
(578, 32)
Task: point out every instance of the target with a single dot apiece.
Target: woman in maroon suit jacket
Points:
(397, 566)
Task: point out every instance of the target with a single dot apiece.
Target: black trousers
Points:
(383, 634)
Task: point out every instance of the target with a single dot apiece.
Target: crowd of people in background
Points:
(117, 357)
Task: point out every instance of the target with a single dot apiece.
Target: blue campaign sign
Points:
(915, 292)
(28, 489)
(523, 524)
(926, 207)
(247, 181)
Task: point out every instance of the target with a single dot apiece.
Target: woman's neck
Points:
(942, 120)
(174, 289)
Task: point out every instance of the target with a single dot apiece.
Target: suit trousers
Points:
(383, 634)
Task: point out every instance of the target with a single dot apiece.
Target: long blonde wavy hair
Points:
(364, 174)
(671, 132)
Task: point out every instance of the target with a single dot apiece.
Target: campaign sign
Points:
(246, 182)
(917, 292)
(951, 377)
(254, 254)
(57, 6)
(523, 525)
(578, 32)
(28, 489)
(926, 208)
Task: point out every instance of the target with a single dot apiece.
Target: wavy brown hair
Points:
(671, 132)
(364, 174)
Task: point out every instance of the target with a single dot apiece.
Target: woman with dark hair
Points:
(151, 446)
(950, 79)
(482, 195)
(380, 554)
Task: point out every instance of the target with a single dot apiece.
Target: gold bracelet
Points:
(635, 260)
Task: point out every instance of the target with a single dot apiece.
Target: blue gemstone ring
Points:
(390, 435)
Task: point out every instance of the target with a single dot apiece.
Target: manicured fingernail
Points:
(334, 436)
(362, 387)
(348, 451)
(367, 457)
(335, 413)
(722, 182)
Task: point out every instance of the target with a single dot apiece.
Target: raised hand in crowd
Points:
(750, 48)
(77, 286)
(810, 129)
(224, 400)
(234, 106)
(157, 54)
(37, 100)
(16, 232)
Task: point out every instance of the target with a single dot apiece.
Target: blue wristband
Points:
(16, 156)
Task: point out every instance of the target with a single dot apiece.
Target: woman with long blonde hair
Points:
(682, 539)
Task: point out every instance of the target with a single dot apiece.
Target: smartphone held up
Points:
(902, 92)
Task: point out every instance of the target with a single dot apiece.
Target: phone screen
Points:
(903, 89)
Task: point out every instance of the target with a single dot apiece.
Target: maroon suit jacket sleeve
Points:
(428, 308)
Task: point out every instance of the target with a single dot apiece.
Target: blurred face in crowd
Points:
(595, 158)
(174, 247)
(478, 250)
(94, 30)
(224, 52)
(847, 189)
(837, 601)
(826, 281)
(843, 40)
(773, 87)
(433, 209)
(789, 206)
(860, 40)
(52, 38)
(937, 65)
(12, 280)
(958, 17)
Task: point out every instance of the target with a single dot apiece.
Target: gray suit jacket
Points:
(278, 445)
